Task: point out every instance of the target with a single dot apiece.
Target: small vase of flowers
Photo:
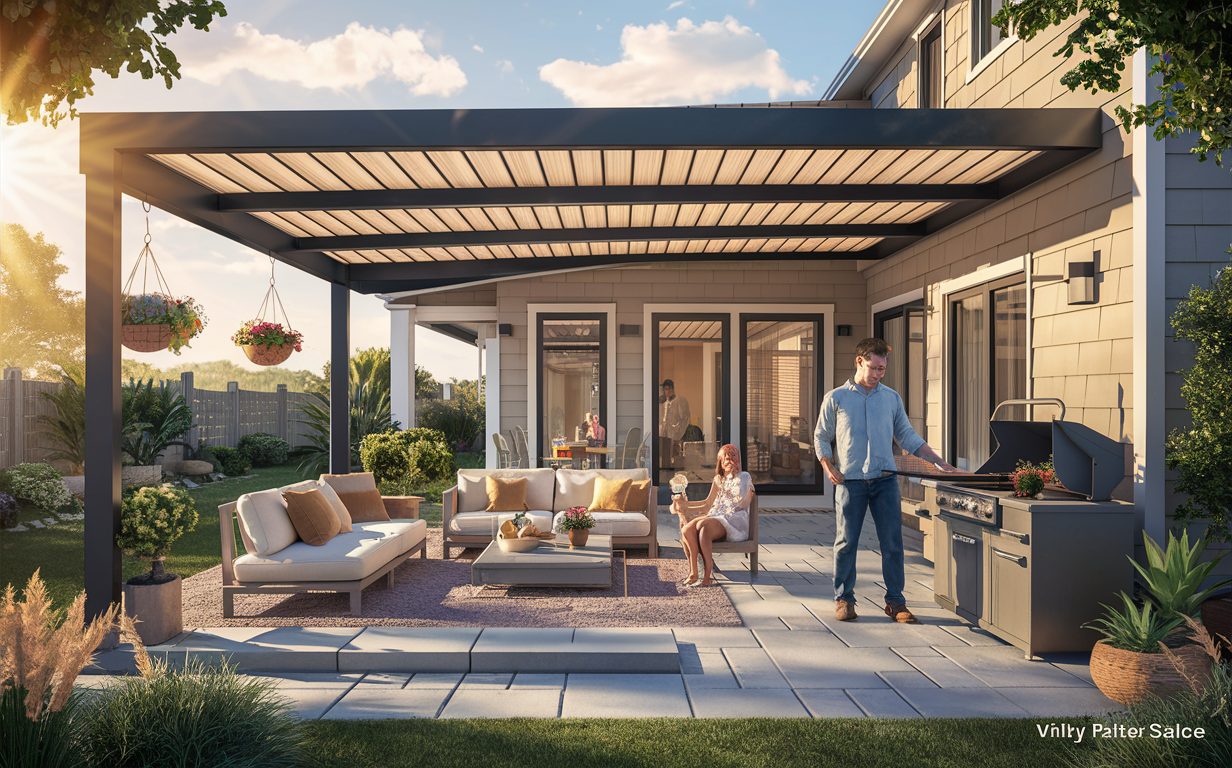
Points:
(1029, 479)
(267, 343)
(152, 322)
(577, 522)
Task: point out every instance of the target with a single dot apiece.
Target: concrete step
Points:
(424, 649)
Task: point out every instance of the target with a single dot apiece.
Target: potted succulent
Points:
(577, 522)
(151, 520)
(267, 343)
(151, 322)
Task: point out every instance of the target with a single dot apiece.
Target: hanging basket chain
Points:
(273, 303)
(144, 260)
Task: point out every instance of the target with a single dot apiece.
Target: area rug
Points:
(438, 593)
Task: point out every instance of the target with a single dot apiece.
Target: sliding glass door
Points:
(691, 371)
(572, 377)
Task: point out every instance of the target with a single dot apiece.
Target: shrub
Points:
(9, 509)
(457, 420)
(151, 519)
(48, 741)
(39, 484)
(385, 456)
(233, 461)
(433, 460)
(393, 456)
(197, 715)
(265, 450)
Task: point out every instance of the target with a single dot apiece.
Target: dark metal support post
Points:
(340, 379)
(103, 401)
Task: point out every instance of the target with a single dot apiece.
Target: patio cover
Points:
(388, 201)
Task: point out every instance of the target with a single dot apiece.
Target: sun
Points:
(30, 156)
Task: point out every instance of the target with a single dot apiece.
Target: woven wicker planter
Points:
(271, 355)
(1129, 676)
(1217, 617)
(145, 338)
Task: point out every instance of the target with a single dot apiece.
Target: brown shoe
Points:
(900, 614)
(845, 610)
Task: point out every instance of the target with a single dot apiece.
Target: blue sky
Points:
(312, 54)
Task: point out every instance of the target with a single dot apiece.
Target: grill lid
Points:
(1086, 461)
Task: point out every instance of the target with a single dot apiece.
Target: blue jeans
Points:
(879, 496)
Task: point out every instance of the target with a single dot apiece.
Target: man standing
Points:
(673, 421)
(863, 418)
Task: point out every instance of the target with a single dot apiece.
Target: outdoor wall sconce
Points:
(1081, 282)
(504, 329)
(630, 330)
(842, 330)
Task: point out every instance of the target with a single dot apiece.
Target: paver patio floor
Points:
(791, 659)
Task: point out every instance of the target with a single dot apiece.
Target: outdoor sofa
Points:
(549, 494)
(277, 561)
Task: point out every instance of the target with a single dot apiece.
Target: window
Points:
(988, 365)
(932, 57)
(572, 365)
(984, 36)
(903, 329)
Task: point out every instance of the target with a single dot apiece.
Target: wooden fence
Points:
(220, 418)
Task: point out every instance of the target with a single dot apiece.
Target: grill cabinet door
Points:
(1010, 573)
(967, 572)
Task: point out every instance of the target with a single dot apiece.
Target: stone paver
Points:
(754, 668)
(312, 703)
(961, 702)
(409, 649)
(434, 680)
(881, 703)
(301, 649)
(757, 702)
(486, 682)
(625, 696)
(1004, 667)
(481, 703)
(522, 680)
(829, 702)
(1061, 702)
(374, 704)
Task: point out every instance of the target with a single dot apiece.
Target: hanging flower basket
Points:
(267, 343)
(152, 322)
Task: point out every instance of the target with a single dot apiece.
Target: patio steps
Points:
(419, 649)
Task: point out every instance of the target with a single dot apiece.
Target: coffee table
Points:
(553, 564)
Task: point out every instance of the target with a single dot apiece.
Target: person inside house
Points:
(673, 421)
(596, 435)
(722, 516)
(863, 417)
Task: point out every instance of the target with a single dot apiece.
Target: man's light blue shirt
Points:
(863, 426)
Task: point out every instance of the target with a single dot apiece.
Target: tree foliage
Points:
(1189, 43)
(215, 374)
(49, 49)
(372, 365)
(1202, 454)
(42, 326)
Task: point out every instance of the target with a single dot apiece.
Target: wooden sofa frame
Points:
(230, 587)
(449, 503)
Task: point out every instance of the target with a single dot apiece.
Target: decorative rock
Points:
(192, 468)
(189, 483)
(141, 475)
(18, 528)
(36, 523)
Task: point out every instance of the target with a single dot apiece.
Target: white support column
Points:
(1149, 321)
(402, 364)
(492, 397)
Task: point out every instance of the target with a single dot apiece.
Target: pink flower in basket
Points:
(576, 519)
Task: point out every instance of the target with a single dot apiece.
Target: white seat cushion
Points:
(346, 557)
(576, 487)
(480, 523)
(264, 522)
(614, 523)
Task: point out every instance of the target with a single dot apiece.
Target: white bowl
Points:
(517, 545)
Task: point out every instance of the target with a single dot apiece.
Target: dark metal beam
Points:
(339, 380)
(387, 199)
(103, 400)
(458, 332)
(378, 130)
(407, 276)
(596, 235)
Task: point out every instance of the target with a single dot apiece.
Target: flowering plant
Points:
(1029, 479)
(576, 519)
(151, 519)
(184, 315)
(38, 483)
(254, 332)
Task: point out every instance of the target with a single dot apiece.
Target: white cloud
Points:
(688, 63)
(676, 4)
(505, 65)
(350, 60)
(477, 48)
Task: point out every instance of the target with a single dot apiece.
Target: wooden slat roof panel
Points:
(237, 172)
(420, 169)
(200, 173)
(311, 170)
(525, 168)
(385, 170)
(346, 168)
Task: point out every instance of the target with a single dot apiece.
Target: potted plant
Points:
(267, 343)
(577, 522)
(151, 322)
(151, 520)
(1029, 479)
(158, 416)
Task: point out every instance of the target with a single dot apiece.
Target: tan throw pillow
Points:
(639, 494)
(610, 495)
(312, 516)
(344, 517)
(506, 495)
(364, 506)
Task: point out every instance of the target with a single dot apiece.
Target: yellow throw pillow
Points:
(610, 495)
(364, 506)
(639, 494)
(506, 495)
(312, 516)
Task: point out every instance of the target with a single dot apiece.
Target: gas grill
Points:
(1033, 571)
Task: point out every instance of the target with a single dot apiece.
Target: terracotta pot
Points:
(1130, 676)
(145, 338)
(578, 537)
(268, 355)
(159, 608)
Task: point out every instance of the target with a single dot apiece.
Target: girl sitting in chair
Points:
(721, 516)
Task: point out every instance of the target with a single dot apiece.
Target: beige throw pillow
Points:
(639, 494)
(506, 495)
(312, 516)
(610, 494)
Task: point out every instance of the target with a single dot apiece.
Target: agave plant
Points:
(162, 414)
(1172, 577)
(1133, 629)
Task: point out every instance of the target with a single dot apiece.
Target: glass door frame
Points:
(540, 378)
(725, 395)
(819, 360)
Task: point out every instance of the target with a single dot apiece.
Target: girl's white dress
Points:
(731, 505)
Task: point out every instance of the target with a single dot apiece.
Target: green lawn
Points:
(58, 552)
(685, 743)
